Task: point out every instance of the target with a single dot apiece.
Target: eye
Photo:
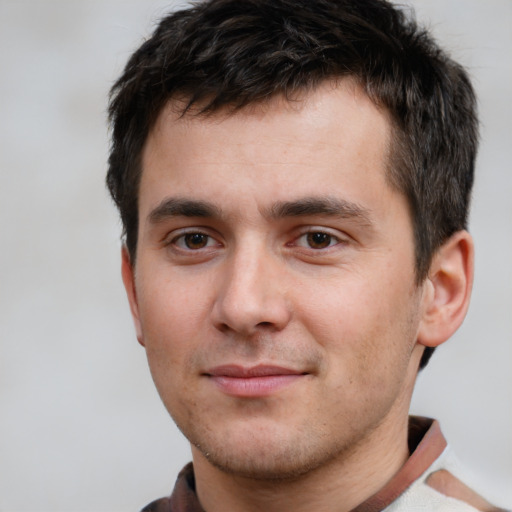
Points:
(317, 240)
(193, 241)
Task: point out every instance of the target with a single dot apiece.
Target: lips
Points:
(256, 381)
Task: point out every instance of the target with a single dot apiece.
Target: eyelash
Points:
(179, 242)
(332, 240)
(182, 237)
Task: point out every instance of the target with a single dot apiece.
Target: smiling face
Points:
(274, 287)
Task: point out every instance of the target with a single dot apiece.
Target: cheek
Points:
(172, 320)
(170, 307)
(366, 329)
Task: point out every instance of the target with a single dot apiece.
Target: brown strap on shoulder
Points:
(445, 483)
(160, 505)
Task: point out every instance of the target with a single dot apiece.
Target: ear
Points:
(128, 273)
(447, 290)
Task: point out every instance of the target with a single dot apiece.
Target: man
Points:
(293, 179)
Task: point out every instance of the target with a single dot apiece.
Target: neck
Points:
(340, 485)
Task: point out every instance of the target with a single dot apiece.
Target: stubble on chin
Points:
(269, 457)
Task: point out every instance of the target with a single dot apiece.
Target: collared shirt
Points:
(426, 445)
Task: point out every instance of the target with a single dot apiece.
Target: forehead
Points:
(270, 147)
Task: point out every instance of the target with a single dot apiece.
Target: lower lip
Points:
(252, 387)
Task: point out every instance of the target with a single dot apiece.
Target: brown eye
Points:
(195, 240)
(318, 240)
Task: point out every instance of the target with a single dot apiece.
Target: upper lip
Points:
(242, 372)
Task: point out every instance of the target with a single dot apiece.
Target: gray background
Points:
(81, 427)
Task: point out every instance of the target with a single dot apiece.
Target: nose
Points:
(252, 296)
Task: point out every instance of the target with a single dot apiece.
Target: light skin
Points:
(275, 293)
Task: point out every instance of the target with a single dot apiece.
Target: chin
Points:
(286, 465)
(268, 456)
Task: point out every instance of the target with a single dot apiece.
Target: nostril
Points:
(223, 327)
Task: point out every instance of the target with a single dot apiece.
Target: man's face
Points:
(274, 287)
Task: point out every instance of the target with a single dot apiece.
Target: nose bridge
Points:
(252, 295)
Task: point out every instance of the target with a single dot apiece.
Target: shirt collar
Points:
(426, 443)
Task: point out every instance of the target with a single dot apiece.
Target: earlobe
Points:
(128, 274)
(447, 290)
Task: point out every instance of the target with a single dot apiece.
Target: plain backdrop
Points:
(81, 427)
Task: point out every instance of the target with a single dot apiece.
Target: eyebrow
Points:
(181, 207)
(326, 206)
(304, 207)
